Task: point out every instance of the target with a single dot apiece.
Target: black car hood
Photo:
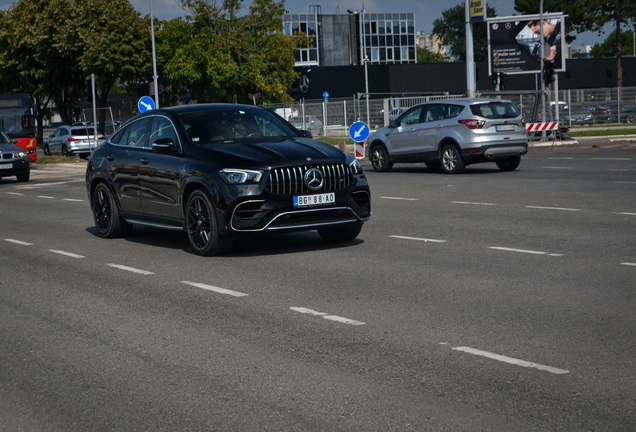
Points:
(269, 153)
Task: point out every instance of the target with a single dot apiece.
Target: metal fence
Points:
(607, 105)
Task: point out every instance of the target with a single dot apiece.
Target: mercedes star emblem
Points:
(314, 179)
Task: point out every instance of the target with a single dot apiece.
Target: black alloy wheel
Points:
(202, 227)
(452, 162)
(108, 222)
(380, 158)
(65, 151)
(47, 150)
(22, 178)
(509, 164)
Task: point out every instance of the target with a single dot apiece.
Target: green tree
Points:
(426, 56)
(228, 56)
(608, 47)
(451, 31)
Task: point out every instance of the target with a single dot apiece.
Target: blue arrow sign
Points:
(359, 131)
(145, 104)
(325, 95)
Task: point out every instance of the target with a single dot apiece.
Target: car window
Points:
(162, 128)
(81, 131)
(138, 133)
(411, 117)
(453, 110)
(435, 113)
(120, 136)
(4, 139)
(495, 110)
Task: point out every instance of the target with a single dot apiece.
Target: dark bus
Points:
(17, 120)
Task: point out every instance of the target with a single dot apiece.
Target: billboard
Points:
(514, 43)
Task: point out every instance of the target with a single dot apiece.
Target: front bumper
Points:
(18, 167)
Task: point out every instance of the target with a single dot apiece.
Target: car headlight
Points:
(20, 154)
(355, 166)
(240, 176)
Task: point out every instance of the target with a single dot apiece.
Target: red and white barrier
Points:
(539, 127)
(359, 150)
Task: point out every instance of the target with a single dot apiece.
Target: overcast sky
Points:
(426, 11)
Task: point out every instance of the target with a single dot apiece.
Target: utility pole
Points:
(471, 87)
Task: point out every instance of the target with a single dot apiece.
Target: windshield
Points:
(234, 124)
(495, 110)
(4, 139)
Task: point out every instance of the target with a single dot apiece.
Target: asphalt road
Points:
(486, 301)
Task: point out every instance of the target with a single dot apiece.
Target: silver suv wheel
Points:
(452, 162)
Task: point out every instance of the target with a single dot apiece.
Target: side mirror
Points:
(164, 145)
(306, 133)
(393, 124)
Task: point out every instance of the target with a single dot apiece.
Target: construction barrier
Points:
(539, 127)
(359, 150)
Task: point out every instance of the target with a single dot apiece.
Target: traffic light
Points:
(548, 73)
(494, 78)
(503, 79)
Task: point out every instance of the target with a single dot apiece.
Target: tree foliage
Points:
(229, 56)
(426, 56)
(451, 31)
(608, 47)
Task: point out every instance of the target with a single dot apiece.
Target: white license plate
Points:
(505, 128)
(6, 166)
(313, 200)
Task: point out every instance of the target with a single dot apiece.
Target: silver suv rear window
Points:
(495, 110)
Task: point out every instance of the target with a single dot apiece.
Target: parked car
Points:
(14, 160)
(628, 112)
(395, 113)
(312, 124)
(220, 171)
(72, 140)
(452, 134)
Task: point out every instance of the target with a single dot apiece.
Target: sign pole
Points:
(470, 57)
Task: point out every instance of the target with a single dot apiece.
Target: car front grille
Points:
(6, 155)
(290, 180)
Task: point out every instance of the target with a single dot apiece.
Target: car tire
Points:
(47, 150)
(23, 178)
(509, 164)
(452, 162)
(380, 158)
(65, 151)
(202, 227)
(108, 221)
(434, 166)
(340, 234)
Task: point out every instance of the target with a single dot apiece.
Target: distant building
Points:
(583, 52)
(430, 42)
(347, 39)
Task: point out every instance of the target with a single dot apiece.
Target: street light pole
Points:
(154, 57)
(366, 88)
(471, 87)
(542, 56)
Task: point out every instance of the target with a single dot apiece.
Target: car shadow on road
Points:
(261, 244)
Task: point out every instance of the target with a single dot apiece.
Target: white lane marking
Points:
(624, 182)
(74, 200)
(399, 198)
(618, 159)
(130, 269)
(18, 242)
(45, 197)
(629, 264)
(15, 193)
(553, 208)
(627, 214)
(215, 289)
(473, 203)
(326, 316)
(511, 360)
(418, 239)
(560, 158)
(521, 251)
(555, 167)
(68, 254)
(618, 169)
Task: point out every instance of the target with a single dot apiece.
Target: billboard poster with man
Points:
(514, 43)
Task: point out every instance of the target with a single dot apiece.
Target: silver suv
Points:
(451, 134)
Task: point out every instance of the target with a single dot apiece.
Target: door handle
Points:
(144, 161)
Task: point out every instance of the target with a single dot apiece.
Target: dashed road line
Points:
(68, 254)
(73, 200)
(507, 249)
(473, 203)
(418, 239)
(215, 289)
(18, 242)
(612, 159)
(627, 214)
(557, 167)
(327, 316)
(15, 193)
(511, 360)
(629, 264)
(399, 198)
(130, 269)
(46, 197)
(560, 158)
(553, 208)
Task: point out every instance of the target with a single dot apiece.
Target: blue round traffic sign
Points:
(359, 131)
(325, 95)
(145, 104)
